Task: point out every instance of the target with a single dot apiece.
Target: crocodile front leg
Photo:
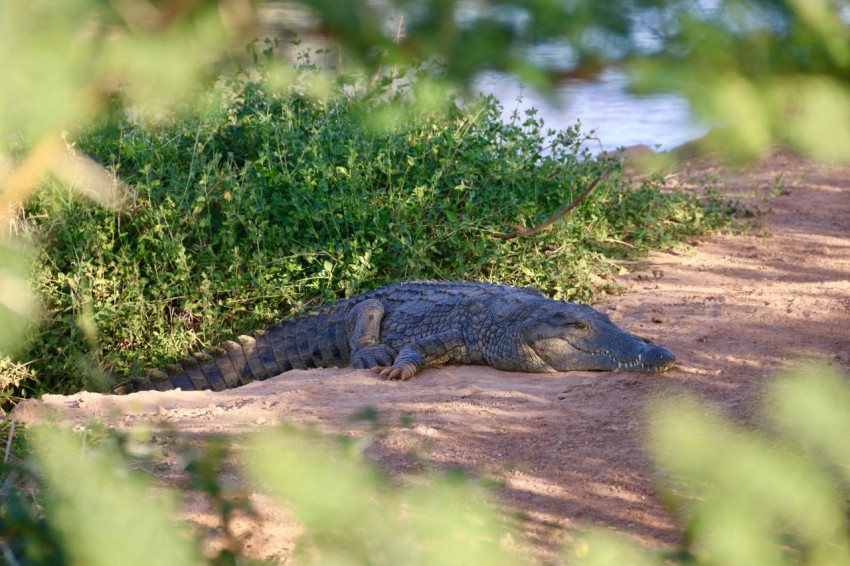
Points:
(432, 350)
(364, 327)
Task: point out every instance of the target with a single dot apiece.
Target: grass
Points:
(275, 202)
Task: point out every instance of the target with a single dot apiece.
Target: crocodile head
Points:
(569, 336)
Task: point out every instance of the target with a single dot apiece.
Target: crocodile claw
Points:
(379, 355)
(401, 372)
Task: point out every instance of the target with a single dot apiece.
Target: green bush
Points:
(273, 202)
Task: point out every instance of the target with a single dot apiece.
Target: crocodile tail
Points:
(230, 365)
(316, 340)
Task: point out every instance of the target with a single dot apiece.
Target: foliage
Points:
(351, 515)
(274, 202)
(772, 494)
(778, 495)
(461, 36)
(773, 69)
(349, 511)
(93, 522)
(81, 498)
(17, 306)
(62, 62)
(770, 70)
(12, 375)
(767, 71)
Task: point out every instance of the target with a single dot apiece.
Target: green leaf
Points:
(17, 303)
(104, 514)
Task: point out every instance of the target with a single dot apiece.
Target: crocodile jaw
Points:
(652, 359)
(640, 357)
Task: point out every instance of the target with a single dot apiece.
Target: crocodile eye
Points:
(563, 319)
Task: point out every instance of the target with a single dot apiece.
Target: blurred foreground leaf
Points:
(17, 305)
(812, 408)
(743, 493)
(770, 71)
(600, 548)
(103, 513)
(353, 517)
(62, 64)
(749, 496)
(63, 60)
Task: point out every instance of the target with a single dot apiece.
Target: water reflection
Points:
(620, 118)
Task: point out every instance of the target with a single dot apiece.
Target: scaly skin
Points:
(399, 329)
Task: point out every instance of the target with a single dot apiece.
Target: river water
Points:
(604, 105)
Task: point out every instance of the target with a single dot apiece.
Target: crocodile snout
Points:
(658, 358)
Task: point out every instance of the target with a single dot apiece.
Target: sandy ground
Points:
(567, 447)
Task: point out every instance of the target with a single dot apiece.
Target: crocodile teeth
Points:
(638, 364)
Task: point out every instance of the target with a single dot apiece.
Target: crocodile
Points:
(399, 329)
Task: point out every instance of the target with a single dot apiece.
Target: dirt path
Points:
(735, 309)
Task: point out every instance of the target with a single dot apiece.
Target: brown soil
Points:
(734, 308)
